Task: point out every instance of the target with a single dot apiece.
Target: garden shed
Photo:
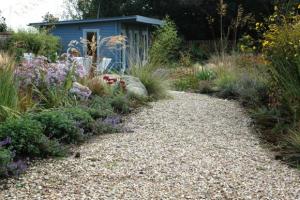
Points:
(136, 29)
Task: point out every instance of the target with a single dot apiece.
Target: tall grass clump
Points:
(154, 80)
(8, 88)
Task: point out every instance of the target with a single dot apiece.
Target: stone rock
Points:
(135, 86)
(80, 90)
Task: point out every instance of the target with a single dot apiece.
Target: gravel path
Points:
(189, 147)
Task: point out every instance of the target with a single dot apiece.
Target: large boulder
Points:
(135, 86)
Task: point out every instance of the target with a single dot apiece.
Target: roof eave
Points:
(137, 18)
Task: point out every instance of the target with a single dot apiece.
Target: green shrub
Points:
(100, 107)
(8, 88)
(226, 82)
(120, 104)
(82, 117)
(155, 81)
(58, 125)
(197, 53)
(251, 91)
(27, 137)
(5, 159)
(188, 82)
(206, 87)
(165, 44)
(39, 43)
(104, 128)
(205, 75)
(185, 59)
(284, 68)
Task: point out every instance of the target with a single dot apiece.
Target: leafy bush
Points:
(251, 91)
(165, 44)
(100, 107)
(120, 104)
(5, 159)
(226, 82)
(39, 43)
(58, 125)
(102, 127)
(185, 59)
(8, 88)
(197, 53)
(27, 138)
(187, 82)
(82, 117)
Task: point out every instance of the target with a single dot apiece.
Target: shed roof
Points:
(135, 18)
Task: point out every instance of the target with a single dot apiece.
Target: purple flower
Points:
(17, 167)
(5, 142)
(113, 121)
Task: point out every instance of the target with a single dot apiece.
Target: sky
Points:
(19, 13)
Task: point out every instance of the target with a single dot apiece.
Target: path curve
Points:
(189, 147)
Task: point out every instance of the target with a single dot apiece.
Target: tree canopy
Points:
(190, 16)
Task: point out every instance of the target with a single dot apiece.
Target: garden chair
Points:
(103, 65)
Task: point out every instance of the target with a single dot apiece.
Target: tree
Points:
(187, 14)
(3, 25)
(50, 19)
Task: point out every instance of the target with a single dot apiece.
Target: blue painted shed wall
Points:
(75, 32)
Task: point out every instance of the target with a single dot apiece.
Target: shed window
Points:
(91, 38)
(91, 47)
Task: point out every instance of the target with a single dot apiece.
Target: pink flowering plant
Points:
(39, 72)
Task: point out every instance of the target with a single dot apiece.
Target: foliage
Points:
(5, 159)
(282, 43)
(100, 107)
(197, 53)
(99, 87)
(196, 13)
(103, 127)
(58, 125)
(50, 19)
(205, 75)
(165, 43)
(3, 25)
(294, 140)
(81, 116)
(185, 59)
(41, 73)
(155, 81)
(54, 97)
(264, 32)
(226, 82)
(27, 137)
(8, 88)
(186, 83)
(120, 104)
(38, 43)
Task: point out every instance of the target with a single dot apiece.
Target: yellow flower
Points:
(265, 43)
(299, 6)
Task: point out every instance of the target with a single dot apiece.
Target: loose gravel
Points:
(188, 147)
